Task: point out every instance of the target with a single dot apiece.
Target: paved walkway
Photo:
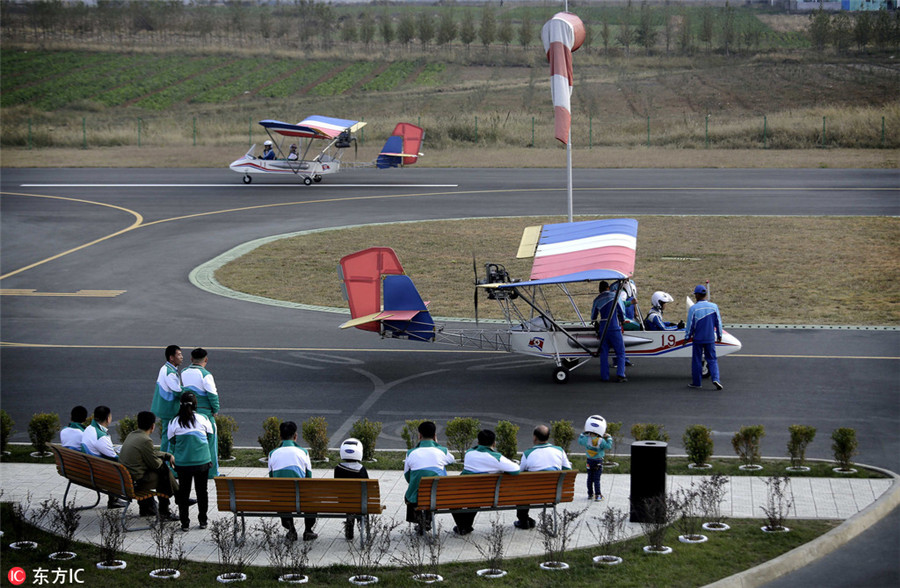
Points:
(814, 498)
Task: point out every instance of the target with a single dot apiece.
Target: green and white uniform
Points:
(191, 445)
(199, 381)
(166, 400)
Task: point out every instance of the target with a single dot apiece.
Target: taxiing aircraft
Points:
(333, 135)
(383, 299)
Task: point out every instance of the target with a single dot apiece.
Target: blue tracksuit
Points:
(704, 326)
(655, 322)
(602, 307)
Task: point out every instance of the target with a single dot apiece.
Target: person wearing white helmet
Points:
(596, 443)
(350, 467)
(654, 320)
(268, 152)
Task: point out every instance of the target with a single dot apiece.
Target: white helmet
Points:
(660, 297)
(268, 143)
(352, 449)
(595, 424)
(630, 289)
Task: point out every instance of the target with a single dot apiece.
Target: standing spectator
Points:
(195, 378)
(167, 397)
(482, 459)
(704, 328)
(148, 468)
(541, 457)
(350, 467)
(71, 436)
(606, 308)
(291, 461)
(425, 460)
(189, 437)
(596, 443)
(96, 441)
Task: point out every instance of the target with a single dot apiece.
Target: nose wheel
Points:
(561, 375)
(247, 179)
(307, 181)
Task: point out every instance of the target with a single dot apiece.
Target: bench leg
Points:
(240, 540)
(66, 495)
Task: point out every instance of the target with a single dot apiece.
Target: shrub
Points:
(778, 502)
(562, 433)
(410, 432)
(126, 425)
(225, 428)
(614, 430)
(746, 443)
(367, 432)
(271, 437)
(41, 430)
(6, 429)
(112, 537)
(698, 443)
(507, 443)
(801, 437)
(711, 493)
(461, 431)
(844, 446)
(315, 433)
(649, 432)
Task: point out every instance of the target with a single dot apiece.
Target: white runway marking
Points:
(298, 186)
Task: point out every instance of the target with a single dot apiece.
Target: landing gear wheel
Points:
(247, 179)
(307, 180)
(560, 375)
(317, 179)
(705, 371)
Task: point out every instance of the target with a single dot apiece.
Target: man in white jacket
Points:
(482, 459)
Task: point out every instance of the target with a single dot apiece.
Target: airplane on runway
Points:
(334, 135)
(384, 300)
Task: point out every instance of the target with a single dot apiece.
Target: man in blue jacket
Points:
(704, 329)
(606, 308)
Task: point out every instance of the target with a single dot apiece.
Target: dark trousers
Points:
(464, 521)
(522, 515)
(309, 523)
(422, 517)
(195, 475)
(594, 471)
(161, 480)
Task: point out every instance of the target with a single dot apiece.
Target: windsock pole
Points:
(569, 172)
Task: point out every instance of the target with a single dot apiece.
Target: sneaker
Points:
(694, 386)
(590, 496)
(621, 379)
(167, 516)
(309, 536)
(185, 528)
(525, 525)
(598, 498)
(458, 531)
(203, 525)
(116, 503)
(718, 385)
(291, 535)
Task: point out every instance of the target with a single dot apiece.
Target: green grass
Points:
(743, 547)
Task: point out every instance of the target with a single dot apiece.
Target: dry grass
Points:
(761, 269)
(219, 156)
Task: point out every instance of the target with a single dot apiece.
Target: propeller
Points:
(475, 299)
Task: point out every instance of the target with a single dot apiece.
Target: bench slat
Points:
(316, 495)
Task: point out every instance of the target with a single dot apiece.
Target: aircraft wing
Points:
(579, 252)
(313, 127)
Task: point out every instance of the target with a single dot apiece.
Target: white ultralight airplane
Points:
(383, 299)
(333, 135)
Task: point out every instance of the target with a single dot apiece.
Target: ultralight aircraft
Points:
(383, 299)
(333, 135)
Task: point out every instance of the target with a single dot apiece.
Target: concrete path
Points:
(814, 498)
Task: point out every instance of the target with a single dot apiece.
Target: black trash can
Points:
(648, 480)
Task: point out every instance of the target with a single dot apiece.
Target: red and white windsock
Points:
(561, 35)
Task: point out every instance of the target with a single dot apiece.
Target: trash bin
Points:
(648, 480)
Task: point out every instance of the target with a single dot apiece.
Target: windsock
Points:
(562, 34)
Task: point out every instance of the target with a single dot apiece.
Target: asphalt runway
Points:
(94, 276)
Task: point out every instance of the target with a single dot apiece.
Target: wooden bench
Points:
(489, 492)
(101, 475)
(298, 497)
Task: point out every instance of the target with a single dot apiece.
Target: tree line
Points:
(309, 25)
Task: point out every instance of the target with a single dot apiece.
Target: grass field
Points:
(762, 269)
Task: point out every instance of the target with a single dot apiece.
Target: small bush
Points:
(801, 437)
(562, 433)
(746, 443)
(42, 429)
(649, 432)
(844, 446)
(614, 430)
(315, 433)
(698, 443)
(507, 442)
(461, 431)
(367, 432)
(410, 432)
(271, 437)
(126, 425)
(6, 429)
(225, 428)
